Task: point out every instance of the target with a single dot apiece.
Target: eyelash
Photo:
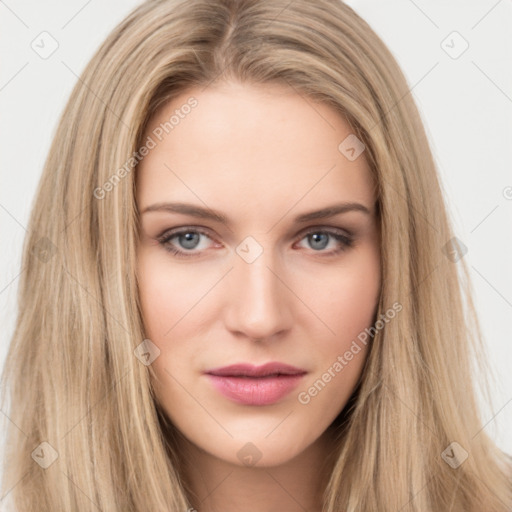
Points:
(164, 239)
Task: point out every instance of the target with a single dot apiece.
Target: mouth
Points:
(256, 385)
(249, 370)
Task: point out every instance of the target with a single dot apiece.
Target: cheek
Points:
(172, 309)
(348, 300)
(354, 304)
(348, 307)
(166, 294)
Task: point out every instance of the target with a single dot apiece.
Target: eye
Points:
(188, 239)
(186, 242)
(319, 238)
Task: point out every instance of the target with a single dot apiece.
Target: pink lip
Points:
(256, 385)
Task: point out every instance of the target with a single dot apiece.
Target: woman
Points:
(187, 340)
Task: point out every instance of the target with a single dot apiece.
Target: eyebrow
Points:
(207, 213)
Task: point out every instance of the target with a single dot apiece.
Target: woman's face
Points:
(253, 283)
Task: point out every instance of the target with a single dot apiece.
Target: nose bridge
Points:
(259, 301)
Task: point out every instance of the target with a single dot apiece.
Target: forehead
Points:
(248, 146)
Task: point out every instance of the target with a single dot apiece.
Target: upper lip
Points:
(249, 370)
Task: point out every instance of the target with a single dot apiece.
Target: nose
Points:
(259, 304)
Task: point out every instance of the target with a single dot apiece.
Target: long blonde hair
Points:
(71, 377)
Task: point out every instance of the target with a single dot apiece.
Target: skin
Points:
(261, 155)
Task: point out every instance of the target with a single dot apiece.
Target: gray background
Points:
(465, 100)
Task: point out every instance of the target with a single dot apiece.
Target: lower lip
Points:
(256, 391)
